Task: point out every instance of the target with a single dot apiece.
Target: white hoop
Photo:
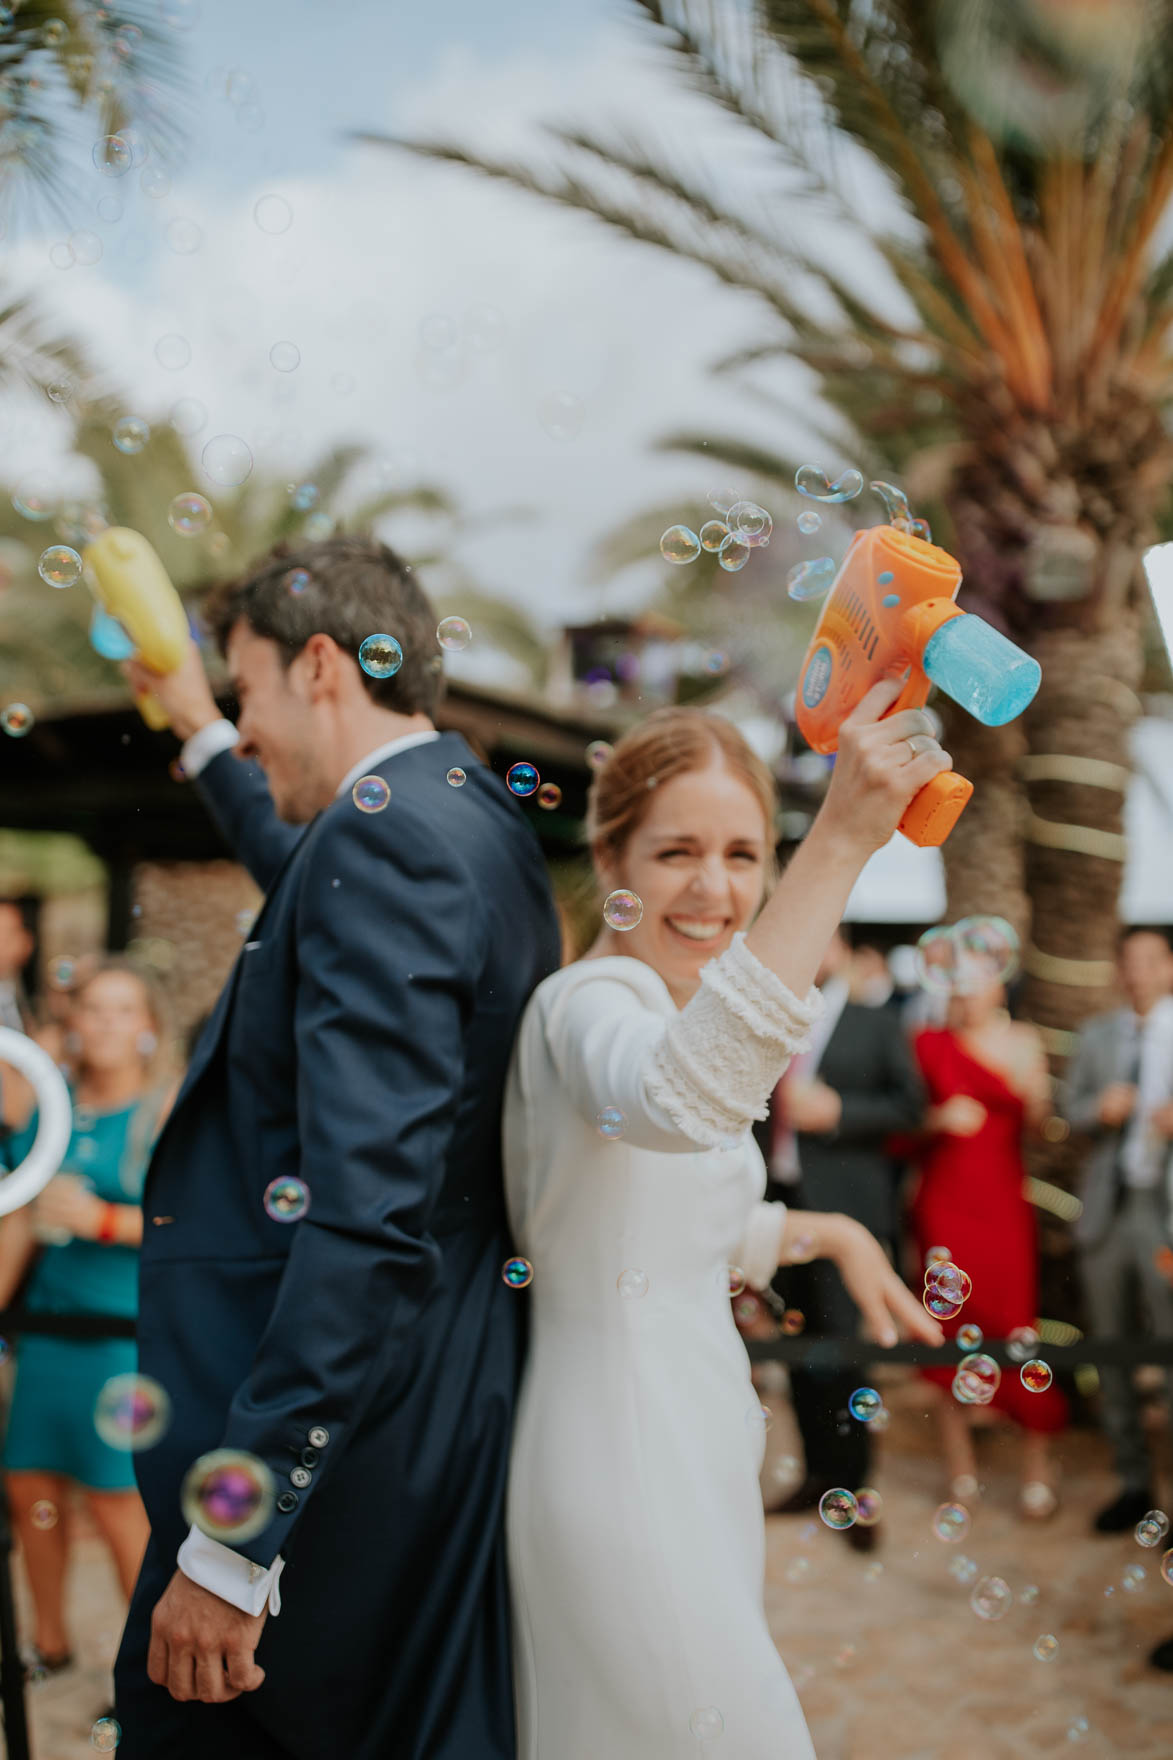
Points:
(54, 1121)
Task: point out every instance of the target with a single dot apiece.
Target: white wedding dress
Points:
(636, 1537)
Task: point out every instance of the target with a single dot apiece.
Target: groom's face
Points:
(276, 724)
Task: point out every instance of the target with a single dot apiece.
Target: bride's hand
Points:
(887, 1305)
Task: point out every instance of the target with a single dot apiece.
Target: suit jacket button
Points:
(288, 1502)
(319, 1437)
(310, 1457)
(300, 1476)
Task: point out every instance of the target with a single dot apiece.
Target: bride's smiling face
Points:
(698, 862)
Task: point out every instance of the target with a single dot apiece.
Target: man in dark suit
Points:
(362, 1359)
(833, 1112)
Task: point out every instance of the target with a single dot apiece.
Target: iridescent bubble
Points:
(1046, 1648)
(1035, 1376)
(53, 32)
(622, 909)
(560, 414)
(549, 796)
(1148, 1532)
(184, 237)
(61, 254)
(705, 1723)
(937, 954)
(59, 390)
(598, 753)
(297, 580)
(113, 155)
(733, 554)
(132, 1412)
(456, 777)
(792, 1322)
(610, 1123)
(154, 182)
(1160, 1518)
(838, 1508)
(287, 1198)
(864, 1403)
(632, 1284)
(895, 503)
(1029, 1595)
(108, 638)
(106, 1735)
(680, 544)
(1022, 1343)
(370, 794)
(873, 1572)
(518, 1273)
(950, 1281)
(173, 352)
(812, 578)
(86, 247)
(1167, 1567)
(1078, 1729)
(453, 634)
(189, 514)
(303, 496)
(810, 480)
(920, 528)
(963, 1570)
(522, 779)
(751, 523)
(991, 1598)
(228, 1495)
(16, 719)
(736, 1280)
(798, 1570)
(939, 1307)
(380, 656)
(227, 460)
(43, 1515)
(130, 434)
(273, 214)
(1134, 1578)
(188, 416)
(938, 1256)
(979, 1377)
(951, 1523)
(969, 1337)
(59, 566)
(285, 357)
(722, 499)
(319, 525)
(990, 945)
(869, 1506)
(808, 521)
(713, 534)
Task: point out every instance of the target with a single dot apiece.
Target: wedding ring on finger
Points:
(921, 742)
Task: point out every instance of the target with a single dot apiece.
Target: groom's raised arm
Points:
(390, 941)
(237, 796)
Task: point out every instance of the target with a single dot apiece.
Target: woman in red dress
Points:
(987, 1083)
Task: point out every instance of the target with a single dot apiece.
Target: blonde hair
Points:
(671, 742)
(157, 1067)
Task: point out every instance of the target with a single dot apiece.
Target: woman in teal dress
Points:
(76, 1248)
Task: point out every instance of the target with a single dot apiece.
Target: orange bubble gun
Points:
(129, 582)
(891, 606)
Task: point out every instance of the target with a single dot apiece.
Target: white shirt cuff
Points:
(229, 1574)
(205, 744)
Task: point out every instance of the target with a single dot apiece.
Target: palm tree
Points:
(1001, 347)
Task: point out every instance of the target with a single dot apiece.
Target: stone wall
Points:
(190, 920)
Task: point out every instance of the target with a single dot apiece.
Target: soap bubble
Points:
(1167, 1567)
(869, 1506)
(59, 390)
(610, 1122)
(936, 959)
(920, 528)
(950, 1281)
(189, 514)
(518, 1273)
(453, 634)
(319, 525)
(184, 237)
(287, 1198)
(112, 155)
(733, 554)
(809, 521)
(1160, 1518)
(939, 1306)
(86, 247)
(810, 480)
(990, 946)
(285, 356)
(895, 503)
(273, 214)
(106, 1735)
(838, 1508)
(1078, 1729)
(43, 1515)
(712, 534)
(188, 416)
(61, 254)
(297, 580)
(792, 1322)
(173, 352)
(1148, 1531)
(632, 1284)
(622, 909)
(456, 777)
(722, 499)
(549, 796)
(864, 1403)
(680, 544)
(1029, 1595)
(370, 794)
(951, 1523)
(227, 460)
(991, 1598)
(303, 496)
(1134, 1578)
(16, 719)
(228, 1495)
(938, 1256)
(598, 753)
(53, 32)
(798, 1570)
(1021, 1343)
(963, 1570)
(812, 578)
(380, 656)
(969, 1337)
(1035, 1375)
(706, 1722)
(736, 1280)
(522, 779)
(130, 434)
(154, 182)
(1046, 1648)
(751, 523)
(977, 1379)
(59, 566)
(560, 414)
(132, 1412)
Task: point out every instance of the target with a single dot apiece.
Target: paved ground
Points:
(891, 1663)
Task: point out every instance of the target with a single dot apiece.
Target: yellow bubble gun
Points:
(129, 582)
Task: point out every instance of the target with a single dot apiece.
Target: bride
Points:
(636, 1536)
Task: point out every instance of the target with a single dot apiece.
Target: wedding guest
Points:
(75, 1251)
(1119, 1094)
(17, 941)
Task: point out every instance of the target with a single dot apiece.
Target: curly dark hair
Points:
(356, 587)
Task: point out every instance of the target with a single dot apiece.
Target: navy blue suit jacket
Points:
(369, 1353)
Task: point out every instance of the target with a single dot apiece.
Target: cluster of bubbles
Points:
(228, 1494)
(622, 909)
(287, 1198)
(968, 955)
(743, 526)
(840, 1508)
(947, 1286)
(812, 577)
(370, 794)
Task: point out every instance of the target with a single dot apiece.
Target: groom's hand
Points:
(202, 1647)
(185, 694)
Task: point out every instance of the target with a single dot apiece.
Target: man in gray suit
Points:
(1119, 1092)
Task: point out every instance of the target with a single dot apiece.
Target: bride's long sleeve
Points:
(691, 1080)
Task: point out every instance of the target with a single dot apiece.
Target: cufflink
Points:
(319, 1437)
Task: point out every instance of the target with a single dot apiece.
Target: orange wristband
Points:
(108, 1227)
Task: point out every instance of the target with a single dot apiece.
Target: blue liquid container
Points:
(981, 669)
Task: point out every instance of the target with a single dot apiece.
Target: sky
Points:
(573, 349)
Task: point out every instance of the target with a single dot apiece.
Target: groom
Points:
(367, 1354)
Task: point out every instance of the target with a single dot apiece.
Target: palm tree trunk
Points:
(984, 868)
